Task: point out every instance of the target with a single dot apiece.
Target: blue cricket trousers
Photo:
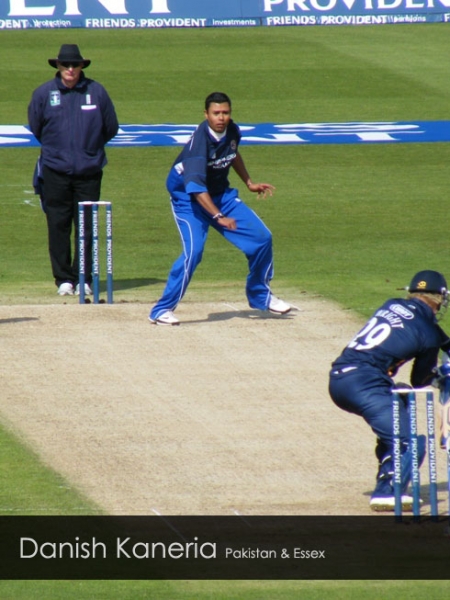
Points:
(367, 392)
(252, 237)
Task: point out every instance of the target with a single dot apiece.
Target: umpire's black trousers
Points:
(61, 194)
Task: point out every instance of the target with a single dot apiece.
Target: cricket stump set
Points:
(414, 448)
(94, 206)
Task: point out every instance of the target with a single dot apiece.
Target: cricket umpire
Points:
(361, 379)
(73, 118)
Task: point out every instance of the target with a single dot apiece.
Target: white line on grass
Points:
(167, 522)
(238, 514)
(232, 307)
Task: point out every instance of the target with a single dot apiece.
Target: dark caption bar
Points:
(266, 548)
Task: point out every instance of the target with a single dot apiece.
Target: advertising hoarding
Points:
(151, 14)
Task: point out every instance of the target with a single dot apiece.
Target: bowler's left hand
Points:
(262, 189)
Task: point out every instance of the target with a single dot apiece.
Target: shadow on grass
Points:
(18, 320)
(259, 315)
(129, 284)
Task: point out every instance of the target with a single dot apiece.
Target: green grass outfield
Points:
(351, 222)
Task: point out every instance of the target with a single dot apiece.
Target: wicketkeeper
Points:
(361, 379)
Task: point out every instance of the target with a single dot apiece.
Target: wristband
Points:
(219, 215)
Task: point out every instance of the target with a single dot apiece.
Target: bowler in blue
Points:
(201, 197)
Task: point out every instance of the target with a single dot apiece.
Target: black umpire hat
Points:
(69, 53)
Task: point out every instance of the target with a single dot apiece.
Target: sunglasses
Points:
(67, 65)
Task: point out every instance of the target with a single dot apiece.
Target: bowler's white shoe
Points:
(167, 318)
(87, 290)
(277, 306)
(65, 289)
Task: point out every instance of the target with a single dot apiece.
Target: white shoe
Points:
(87, 290)
(167, 318)
(65, 289)
(277, 306)
(387, 503)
